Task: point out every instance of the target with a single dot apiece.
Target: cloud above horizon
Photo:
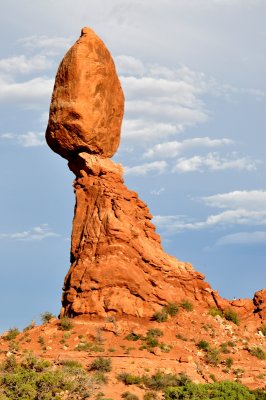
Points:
(240, 210)
(37, 233)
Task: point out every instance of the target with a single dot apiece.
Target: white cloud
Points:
(127, 65)
(24, 65)
(243, 208)
(135, 129)
(31, 92)
(157, 192)
(156, 166)
(242, 238)
(213, 162)
(51, 45)
(37, 233)
(253, 199)
(172, 149)
(32, 139)
(29, 139)
(228, 218)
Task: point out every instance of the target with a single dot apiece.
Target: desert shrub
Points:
(212, 356)
(12, 334)
(129, 379)
(83, 346)
(151, 341)
(231, 315)
(171, 309)
(160, 380)
(46, 317)
(71, 364)
(160, 316)
(33, 379)
(259, 394)
(165, 347)
(100, 377)
(101, 364)
(186, 305)
(66, 324)
(129, 396)
(213, 311)
(224, 348)
(150, 396)
(203, 345)
(29, 327)
(13, 345)
(258, 352)
(216, 390)
(133, 336)
(262, 328)
(181, 337)
(154, 333)
(229, 362)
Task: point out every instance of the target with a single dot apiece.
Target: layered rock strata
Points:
(118, 264)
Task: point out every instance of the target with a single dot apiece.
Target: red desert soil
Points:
(176, 352)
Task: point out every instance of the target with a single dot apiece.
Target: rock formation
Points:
(88, 103)
(118, 264)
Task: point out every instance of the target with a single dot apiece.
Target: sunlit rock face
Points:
(87, 103)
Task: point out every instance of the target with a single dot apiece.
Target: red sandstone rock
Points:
(118, 264)
(88, 103)
(259, 301)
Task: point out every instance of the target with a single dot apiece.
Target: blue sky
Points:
(192, 145)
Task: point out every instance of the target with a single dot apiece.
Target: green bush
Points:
(212, 356)
(133, 336)
(229, 362)
(160, 316)
(101, 364)
(46, 317)
(12, 334)
(186, 305)
(231, 315)
(213, 311)
(203, 345)
(129, 379)
(224, 348)
(258, 352)
(259, 394)
(129, 396)
(82, 346)
(150, 396)
(71, 364)
(160, 380)
(154, 333)
(216, 390)
(171, 309)
(66, 324)
(33, 379)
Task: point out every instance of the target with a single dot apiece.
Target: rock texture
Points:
(87, 103)
(118, 265)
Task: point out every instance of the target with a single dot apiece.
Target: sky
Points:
(192, 144)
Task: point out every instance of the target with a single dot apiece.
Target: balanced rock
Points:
(87, 103)
(118, 265)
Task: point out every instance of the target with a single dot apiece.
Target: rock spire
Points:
(118, 265)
